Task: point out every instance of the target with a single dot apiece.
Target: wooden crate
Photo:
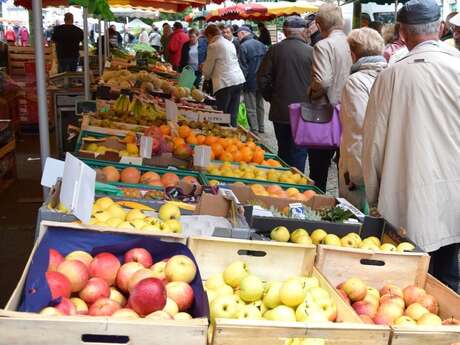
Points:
(23, 328)
(279, 262)
(17, 56)
(401, 269)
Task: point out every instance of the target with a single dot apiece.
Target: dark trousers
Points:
(319, 161)
(288, 151)
(228, 101)
(445, 265)
(67, 65)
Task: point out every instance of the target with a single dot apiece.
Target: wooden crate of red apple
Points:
(264, 293)
(93, 286)
(386, 290)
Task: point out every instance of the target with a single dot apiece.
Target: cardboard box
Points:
(30, 328)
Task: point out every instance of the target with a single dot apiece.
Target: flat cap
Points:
(419, 12)
(243, 28)
(455, 20)
(294, 22)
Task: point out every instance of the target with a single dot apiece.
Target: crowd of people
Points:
(15, 35)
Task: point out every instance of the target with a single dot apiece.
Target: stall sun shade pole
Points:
(85, 54)
(396, 10)
(106, 41)
(101, 62)
(41, 84)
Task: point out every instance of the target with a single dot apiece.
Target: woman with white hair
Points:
(366, 48)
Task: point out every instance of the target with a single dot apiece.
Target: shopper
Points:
(143, 36)
(411, 145)
(24, 36)
(264, 34)
(331, 67)
(395, 46)
(283, 77)
(118, 40)
(155, 39)
(312, 29)
(447, 33)
(165, 37)
(365, 20)
(227, 32)
(366, 47)
(176, 41)
(10, 36)
(250, 56)
(191, 56)
(222, 67)
(455, 22)
(67, 38)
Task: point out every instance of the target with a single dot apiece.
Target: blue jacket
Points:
(202, 49)
(250, 56)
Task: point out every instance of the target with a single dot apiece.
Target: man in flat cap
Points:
(455, 23)
(283, 77)
(411, 151)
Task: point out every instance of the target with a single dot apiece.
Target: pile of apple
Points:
(351, 240)
(103, 286)
(391, 305)
(106, 212)
(238, 294)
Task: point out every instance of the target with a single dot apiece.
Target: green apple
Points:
(373, 239)
(174, 226)
(292, 292)
(310, 282)
(138, 223)
(150, 227)
(116, 211)
(310, 312)
(92, 221)
(280, 234)
(126, 225)
(103, 203)
(134, 214)
(102, 216)
(280, 313)
(235, 272)
(369, 245)
(271, 297)
(114, 222)
(249, 312)
(259, 305)
(95, 209)
(301, 236)
(355, 236)
(169, 211)
(404, 321)
(224, 307)
(373, 291)
(318, 235)
(319, 294)
(214, 281)
(251, 288)
(349, 241)
(224, 290)
(332, 240)
(388, 247)
(405, 247)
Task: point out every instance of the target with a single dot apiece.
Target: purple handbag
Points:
(315, 132)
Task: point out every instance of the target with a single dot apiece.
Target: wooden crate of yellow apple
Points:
(105, 297)
(270, 293)
(396, 290)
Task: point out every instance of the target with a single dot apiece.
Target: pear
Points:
(280, 234)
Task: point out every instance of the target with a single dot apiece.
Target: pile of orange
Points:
(226, 149)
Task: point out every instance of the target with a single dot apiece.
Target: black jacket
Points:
(285, 75)
(250, 56)
(264, 37)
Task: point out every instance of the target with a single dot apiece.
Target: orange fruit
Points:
(178, 141)
(217, 149)
(231, 148)
(240, 145)
(226, 142)
(247, 154)
(251, 144)
(165, 130)
(309, 194)
(226, 156)
(258, 156)
(211, 139)
(184, 131)
(273, 163)
(237, 156)
(200, 138)
(213, 156)
(191, 139)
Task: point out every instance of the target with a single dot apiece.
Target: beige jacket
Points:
(331, 66)
(355, 95)
(411, 152)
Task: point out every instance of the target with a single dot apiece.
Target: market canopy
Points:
(137, 23)
(135, 12)
(262, 10)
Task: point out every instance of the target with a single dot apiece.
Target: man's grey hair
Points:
(421, 29)
(293, 31)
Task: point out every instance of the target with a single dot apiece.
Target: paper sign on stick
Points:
(202, 156)
(146, 147)
(171, 111)
(54, 168)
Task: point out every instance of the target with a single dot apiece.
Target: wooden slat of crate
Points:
(338, 264)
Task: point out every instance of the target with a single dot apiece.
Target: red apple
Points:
(159, 315)
(140, 255)
(125, 313)
(138, 276)
(51, 311)
(117, 296)
(344, 296)
(180, 268)
(147, 296)
(80, 255)
(364, 308)
(103, 307)
(430, 303)
(181, 293)
(355, 289)
(392, 290)
(76, 272)
(105, 266)
(66, 307)
(125, 273)
(59, 284)
(55, 258)
(393, 299)
(412, 293)
(80, 305)
(366, 319)
(95, 288)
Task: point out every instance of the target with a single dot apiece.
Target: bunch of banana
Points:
(136, 108)
(121, 105)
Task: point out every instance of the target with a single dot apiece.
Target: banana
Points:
(183, 205)
(135, 205)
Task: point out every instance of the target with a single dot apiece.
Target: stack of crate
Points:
(7, 154)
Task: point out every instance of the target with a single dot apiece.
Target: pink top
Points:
(392, 48)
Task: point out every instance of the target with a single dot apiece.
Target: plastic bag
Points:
(242, 119)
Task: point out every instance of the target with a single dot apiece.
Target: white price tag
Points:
(202, 156)
(146, 146)
(171, 111)
(131, 160)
